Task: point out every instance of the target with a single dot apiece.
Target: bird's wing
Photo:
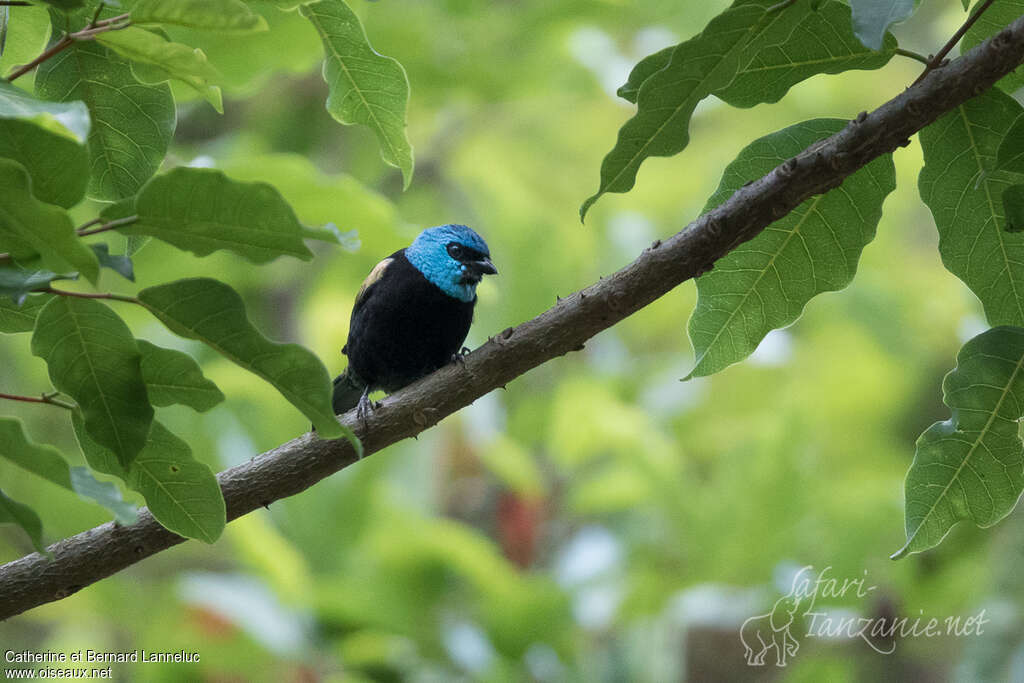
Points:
(376, 274)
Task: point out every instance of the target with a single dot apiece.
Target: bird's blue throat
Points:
(429, 254)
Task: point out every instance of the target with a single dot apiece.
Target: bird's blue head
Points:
(453, 257)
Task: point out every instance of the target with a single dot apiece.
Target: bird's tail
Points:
(347, 390)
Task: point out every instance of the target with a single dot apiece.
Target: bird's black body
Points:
(403, 325)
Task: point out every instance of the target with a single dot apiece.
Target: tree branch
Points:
(295, 466)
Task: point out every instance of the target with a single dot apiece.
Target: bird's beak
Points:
(483, 267)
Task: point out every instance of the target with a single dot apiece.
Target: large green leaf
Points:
(666, 100)
(213, 313)
(992, 21)
(57, 165)
(871, 19)
(797, 43)
(175, 377)
(16, 318)
(13, 512)
(202, 210)
(48, 463)
(156, 59)
(964, 193)
(133, 123)
(92, 357)
(15, 103)
(217, 15)
(1010, 155)
(29, 226)
(972, 465)
(765, 283)
(16, 283)
(181, 492)
(29, 27)
(366, 87)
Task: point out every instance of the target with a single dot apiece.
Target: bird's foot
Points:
(365, 408)
(460, 355)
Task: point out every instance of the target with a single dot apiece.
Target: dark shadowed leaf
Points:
(965, 197)
(16, 283)
(92, 357)
(1010, 155)
(1013, 207)
(16, 318)
(13, 512)
(175, 377)
(213, 313)
(972, 465)
(57, 165)
(765, 283)
(202, 211)
(366, 87)
(120, 264)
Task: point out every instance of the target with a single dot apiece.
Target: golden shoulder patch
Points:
(375, 274)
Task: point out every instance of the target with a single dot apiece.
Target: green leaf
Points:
(871, 18)
(124, 151)
(29, 226)
(174, 377)
(202, 210)
(765, 283)
(48, 463)
(366, 88)
(13, 512)
(231, 16)
(122, 265)
(1013, 207)
(16, 318)
(29, 28)
(666, 100)
(213, 313)
(993, 20)
(15, 103)
(1010, 155)
(181, 492)
(92, 357)
(790, 49)
(65, 5)
(156, 60)
(799, 43)
(16, 283)
(972, 465)
(964, 194)
(57, 165)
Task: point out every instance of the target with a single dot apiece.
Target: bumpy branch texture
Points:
(300, 463)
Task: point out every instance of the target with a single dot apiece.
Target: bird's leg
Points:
(460, 355)
(365, 407)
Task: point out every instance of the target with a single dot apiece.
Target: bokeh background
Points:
(599, 519)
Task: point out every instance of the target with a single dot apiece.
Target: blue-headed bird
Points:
(412, 313)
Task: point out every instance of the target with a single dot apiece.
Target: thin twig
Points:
(88, 33)
(89, 295)
(55, 49)
(936, 61)
(44, 398)
(15, 3)
(112, 225)
(913, 55)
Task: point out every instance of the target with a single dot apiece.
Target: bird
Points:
(412, 314)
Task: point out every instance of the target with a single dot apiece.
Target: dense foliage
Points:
(613, 483)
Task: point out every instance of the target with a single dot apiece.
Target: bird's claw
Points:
(460, 355)
(365, 408)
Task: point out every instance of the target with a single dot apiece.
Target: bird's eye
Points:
(455, 250)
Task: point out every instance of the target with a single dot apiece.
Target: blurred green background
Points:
(599, 519)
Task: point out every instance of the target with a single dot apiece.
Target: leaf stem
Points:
(87, 33)
(43, 398)
(913, 55)
(89, 295)
(936, 61)
(112, 225)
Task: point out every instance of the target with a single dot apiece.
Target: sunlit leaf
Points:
(964, 193)
(124, 150)
(218, 15)
(92, 357)
(29, 226)
(15, 103)
(29, 28)
(181, 492)
(57, 165)
(13, 512)
(202, 211)
(47, 462)
(213, 313)
(871, 18)
(366, 87)
(972, 465)
(666, 100)
(175, 377)
(16, 318)
(765, 283)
